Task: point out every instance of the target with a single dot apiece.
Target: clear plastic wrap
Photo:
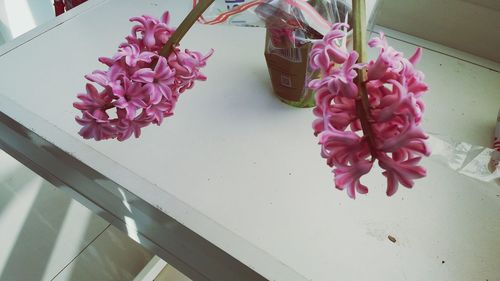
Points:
(292, 25)
(310, 16)
(474, 161)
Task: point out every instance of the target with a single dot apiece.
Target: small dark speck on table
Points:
(392, 239)
(289, 174)
(442, 262)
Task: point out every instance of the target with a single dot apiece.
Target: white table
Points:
(242, 170)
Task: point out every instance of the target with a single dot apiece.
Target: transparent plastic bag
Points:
(474, 161)
(317, 15)
(292, 26)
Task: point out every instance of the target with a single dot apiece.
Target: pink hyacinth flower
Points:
(340, 81)
(132, 54)
(131, 97)
(327, 52)
(187, 66)
(158, 82)
(93, 100)
(96, 126)
(152, 31)
(128, 127)
(140, 86)
(394, 88)
(281, 36)
(157, 112)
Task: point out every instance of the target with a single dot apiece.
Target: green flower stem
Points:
(359, 34)
(184, 27)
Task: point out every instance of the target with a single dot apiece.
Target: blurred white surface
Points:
(20, 16)
(111, 257)
(45, 234)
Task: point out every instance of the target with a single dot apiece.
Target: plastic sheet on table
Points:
(467, 159)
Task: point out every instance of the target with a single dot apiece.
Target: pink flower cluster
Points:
(140, 87)
(281, 37)
(394, 88)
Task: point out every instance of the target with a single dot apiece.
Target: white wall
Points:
(471, 26)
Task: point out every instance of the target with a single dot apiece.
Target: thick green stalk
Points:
(184, 27)
(359, 28)
(359, 34)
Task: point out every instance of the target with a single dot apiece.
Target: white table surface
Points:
(243, 170)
